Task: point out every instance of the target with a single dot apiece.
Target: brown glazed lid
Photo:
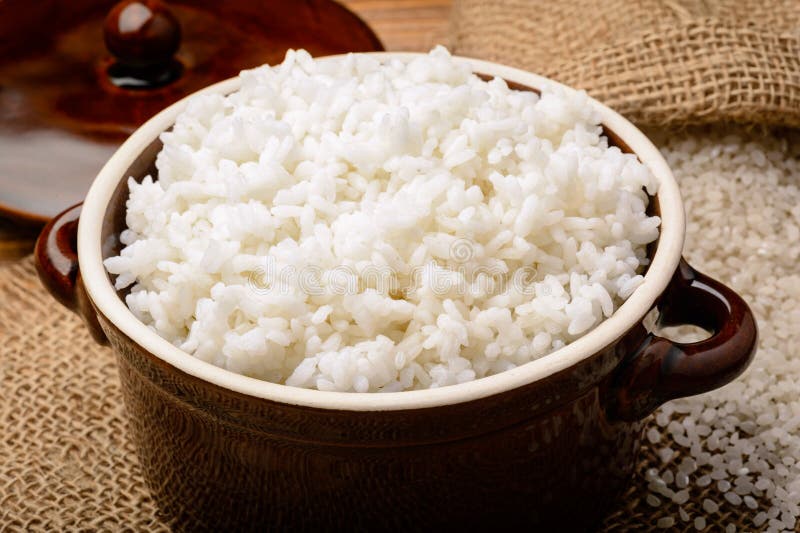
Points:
(78, 77)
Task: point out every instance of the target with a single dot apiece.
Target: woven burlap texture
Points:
(658, 62)
(65, 460)
(66, 463)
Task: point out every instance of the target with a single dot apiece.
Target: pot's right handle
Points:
(56, 257)
(660, 369)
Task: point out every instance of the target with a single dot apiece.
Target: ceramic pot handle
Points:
(56, 257)
(660, 369)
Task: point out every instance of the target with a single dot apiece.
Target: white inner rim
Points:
(103, 295)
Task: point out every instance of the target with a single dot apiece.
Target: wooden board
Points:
(406, 25)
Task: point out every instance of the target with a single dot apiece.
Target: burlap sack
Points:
(658, 62)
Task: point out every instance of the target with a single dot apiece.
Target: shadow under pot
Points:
(552, 443)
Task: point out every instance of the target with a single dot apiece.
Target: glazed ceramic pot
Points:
(551, 443)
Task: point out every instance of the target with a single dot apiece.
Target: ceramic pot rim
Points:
(107, 303)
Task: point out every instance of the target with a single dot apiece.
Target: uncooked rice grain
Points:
(742, 197)
(665, 522)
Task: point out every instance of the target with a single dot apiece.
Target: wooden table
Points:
(415, 25)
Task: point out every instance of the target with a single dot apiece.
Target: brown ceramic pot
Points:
(553, 442)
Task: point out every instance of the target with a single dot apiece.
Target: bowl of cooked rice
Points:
(391, 290)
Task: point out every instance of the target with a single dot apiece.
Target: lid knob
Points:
(143, 35)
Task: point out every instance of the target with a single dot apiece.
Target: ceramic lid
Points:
(78, 77)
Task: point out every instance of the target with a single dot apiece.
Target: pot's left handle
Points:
(56, 257)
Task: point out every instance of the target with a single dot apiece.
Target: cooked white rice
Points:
(353, 225)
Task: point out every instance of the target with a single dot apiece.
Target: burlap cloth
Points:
(65, 459)
(658, 62)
